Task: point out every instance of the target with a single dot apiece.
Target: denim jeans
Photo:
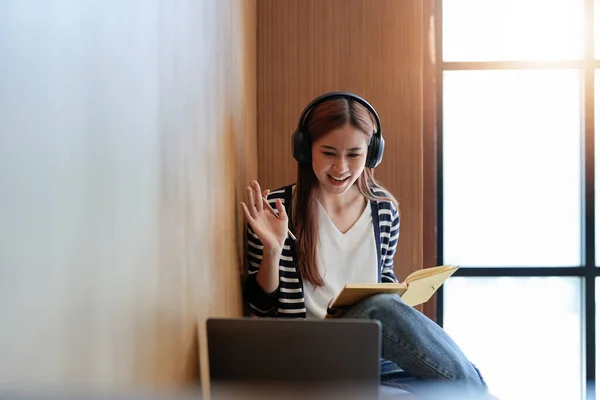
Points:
(415, 349)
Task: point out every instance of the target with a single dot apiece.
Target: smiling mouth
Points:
(339, 179)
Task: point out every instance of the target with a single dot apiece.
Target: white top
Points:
(342, 258)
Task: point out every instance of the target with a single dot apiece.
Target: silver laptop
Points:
(282, 357)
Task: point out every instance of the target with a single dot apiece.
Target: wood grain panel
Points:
(127, 132)
(370, 47)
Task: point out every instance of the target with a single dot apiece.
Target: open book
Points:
(416, 289)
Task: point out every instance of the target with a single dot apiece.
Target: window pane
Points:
(498, 30)
(524, 334)
(511, 162)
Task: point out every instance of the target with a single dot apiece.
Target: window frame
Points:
(433, 156)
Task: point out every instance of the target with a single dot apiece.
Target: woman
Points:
(346, 227)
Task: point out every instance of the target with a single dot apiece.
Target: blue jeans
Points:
(415, 349)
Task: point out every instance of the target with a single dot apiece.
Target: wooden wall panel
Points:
(370, 47)
(127, 134)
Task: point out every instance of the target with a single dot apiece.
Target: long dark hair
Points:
(327, 116)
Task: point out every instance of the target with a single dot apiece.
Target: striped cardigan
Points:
(288, 300)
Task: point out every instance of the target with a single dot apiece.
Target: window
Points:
(512, 170)
(512, 30)
(522, 332)
(517, 87)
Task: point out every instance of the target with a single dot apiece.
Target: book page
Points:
(426, 272)
(421, 289)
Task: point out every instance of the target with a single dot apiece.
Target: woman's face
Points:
(338, 158)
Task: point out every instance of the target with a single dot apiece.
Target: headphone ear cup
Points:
(298, 146)
(380, 149)
(375, 151)
(370, 153)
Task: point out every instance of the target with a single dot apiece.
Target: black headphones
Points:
(301, 146)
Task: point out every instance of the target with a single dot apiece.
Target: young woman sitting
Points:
(346, 226)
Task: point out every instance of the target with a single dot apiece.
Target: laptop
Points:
(283, 357)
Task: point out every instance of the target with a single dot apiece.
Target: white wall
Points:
(118, 184)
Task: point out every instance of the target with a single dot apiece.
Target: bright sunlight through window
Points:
(524, 333)
(516, 30)
(512, 174)
(513, 191)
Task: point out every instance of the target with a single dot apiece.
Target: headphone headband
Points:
(301, 146)
(332, 95)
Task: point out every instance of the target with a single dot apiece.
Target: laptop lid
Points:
(335, 352)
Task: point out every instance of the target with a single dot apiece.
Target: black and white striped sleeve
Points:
(387, 273)
(261, 304)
